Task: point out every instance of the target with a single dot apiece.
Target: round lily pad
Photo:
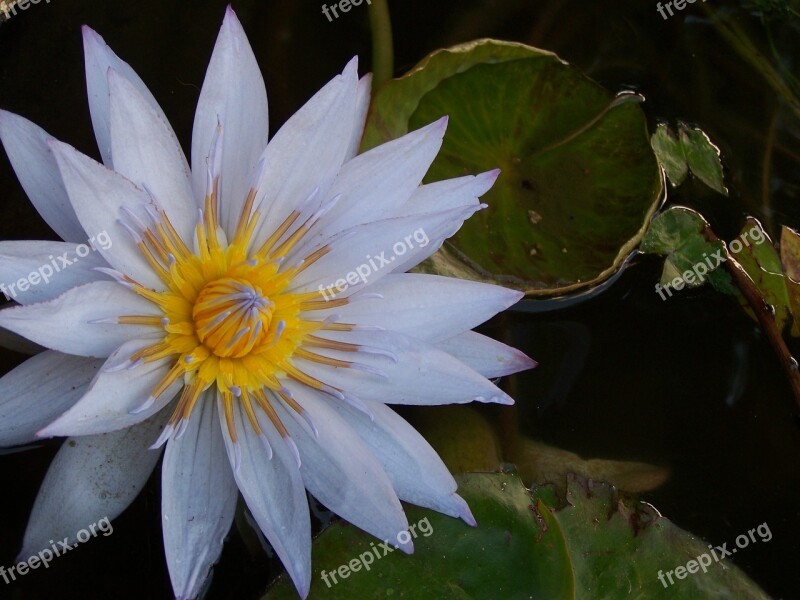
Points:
(579, 179)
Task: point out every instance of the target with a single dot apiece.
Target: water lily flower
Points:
(251, 315)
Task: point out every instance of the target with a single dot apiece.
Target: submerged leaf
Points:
(540, 464)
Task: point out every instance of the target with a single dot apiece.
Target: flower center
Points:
(232, 317)
(229, 317)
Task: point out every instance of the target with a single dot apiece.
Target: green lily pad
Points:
(618, 547)
(579, 180)
(594, 543)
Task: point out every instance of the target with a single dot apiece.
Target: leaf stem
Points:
(765, 317)
(382, 43)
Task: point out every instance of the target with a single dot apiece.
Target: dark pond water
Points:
(688, 384)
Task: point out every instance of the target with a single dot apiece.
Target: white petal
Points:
(488, 357)
(198, 500)
(373, 249)
(274, 493)
(45, 269)
(422, 374)
(437, 236)
(364, 94)
(233, 93)
(99, 59)
(39, 390)
(63, 324)
(341, 471)
(113, 397)
(307, 151)
(98, 195)
(147, 152)
(91, 478)
(428, 307)
(376, 184)
(27, 147)
(450, 193)
(417, 473)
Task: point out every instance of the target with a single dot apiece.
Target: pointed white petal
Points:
(98, 196)
(27, 147)
(437, 234)
(198, 500)
(39, 390)
(421, 375)
(375, 248)
(307, 151)
(91, 478)
(99, 59)
(417, 473)
(341, 471)
(363, 96)
(147, 152)
(234, 93)
(274, 493)
(376, 184)
(63, 323)
(45, 269)
(113, 397)
(488, 357)
(428, 307)
(450, 193)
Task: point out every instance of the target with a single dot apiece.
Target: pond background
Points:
(688, 383)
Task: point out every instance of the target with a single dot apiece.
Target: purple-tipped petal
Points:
(27, 147)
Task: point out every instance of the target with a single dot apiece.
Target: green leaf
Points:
(592, 543)
(500, 558)
(691, 149)
(790, 259)
(762, 263)
(579, 180)
(670, 154)
(703, 158)
(678, 233)
(617, 547)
